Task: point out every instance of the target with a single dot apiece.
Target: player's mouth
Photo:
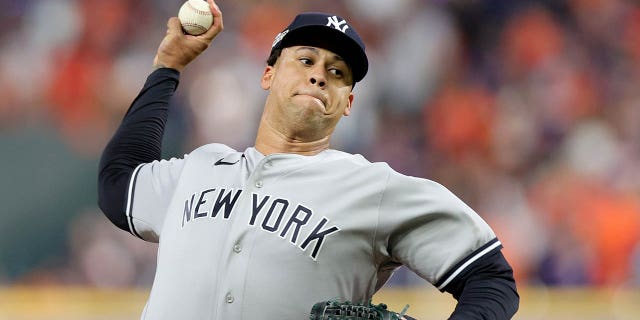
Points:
(319, 97)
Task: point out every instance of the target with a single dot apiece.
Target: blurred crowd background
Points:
(528, 110)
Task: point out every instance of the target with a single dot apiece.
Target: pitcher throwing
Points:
(267, 232)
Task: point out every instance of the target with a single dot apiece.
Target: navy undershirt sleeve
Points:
(138, 140)
(485, 290)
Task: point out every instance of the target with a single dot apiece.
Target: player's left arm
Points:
(485, 289)
(439, 237)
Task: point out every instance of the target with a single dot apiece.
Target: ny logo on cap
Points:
(339, 25)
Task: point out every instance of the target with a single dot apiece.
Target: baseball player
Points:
(267, 232)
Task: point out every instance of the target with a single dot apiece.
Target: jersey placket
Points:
(239, 246)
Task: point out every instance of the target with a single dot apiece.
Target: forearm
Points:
(486, 291)
(137, 140)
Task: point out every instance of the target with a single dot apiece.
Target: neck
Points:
(269, 141)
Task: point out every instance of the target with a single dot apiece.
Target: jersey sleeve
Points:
(430, 230)
(149, 192)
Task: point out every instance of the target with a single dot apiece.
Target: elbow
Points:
(486, 290)
(112, 196)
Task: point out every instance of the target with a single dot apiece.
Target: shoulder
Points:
(396, 178)
(212, 150)
(411, 184)
(205, 153)
(397, 184)
(356, 161)
(209, 152)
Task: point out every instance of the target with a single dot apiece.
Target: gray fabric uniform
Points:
(244, 236)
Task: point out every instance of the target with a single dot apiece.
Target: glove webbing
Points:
(335, 310)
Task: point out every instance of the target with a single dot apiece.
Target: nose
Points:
(321, 83)
(318, 77)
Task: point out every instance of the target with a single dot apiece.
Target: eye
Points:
(306, 61)
(336, 72)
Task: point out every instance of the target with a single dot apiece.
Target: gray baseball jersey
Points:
(248, 236)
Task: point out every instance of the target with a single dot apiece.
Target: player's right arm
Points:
(138, 139)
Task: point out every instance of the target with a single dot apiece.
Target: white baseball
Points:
(195, 17)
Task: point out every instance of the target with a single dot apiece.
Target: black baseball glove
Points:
(337, 310)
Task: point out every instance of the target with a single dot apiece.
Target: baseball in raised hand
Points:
(195, 16)
(178, 49)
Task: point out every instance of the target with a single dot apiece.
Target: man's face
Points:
(310, 90)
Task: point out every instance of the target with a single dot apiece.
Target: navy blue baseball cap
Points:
(329, 32)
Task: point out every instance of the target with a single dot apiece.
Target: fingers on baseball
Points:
(218, 24)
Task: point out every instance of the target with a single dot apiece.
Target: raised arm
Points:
(138, 139)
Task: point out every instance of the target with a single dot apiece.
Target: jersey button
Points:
(237, 248)
(229, 298)
(259, 184)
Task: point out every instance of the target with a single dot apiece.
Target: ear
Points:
(267, 77)
(347, 110)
